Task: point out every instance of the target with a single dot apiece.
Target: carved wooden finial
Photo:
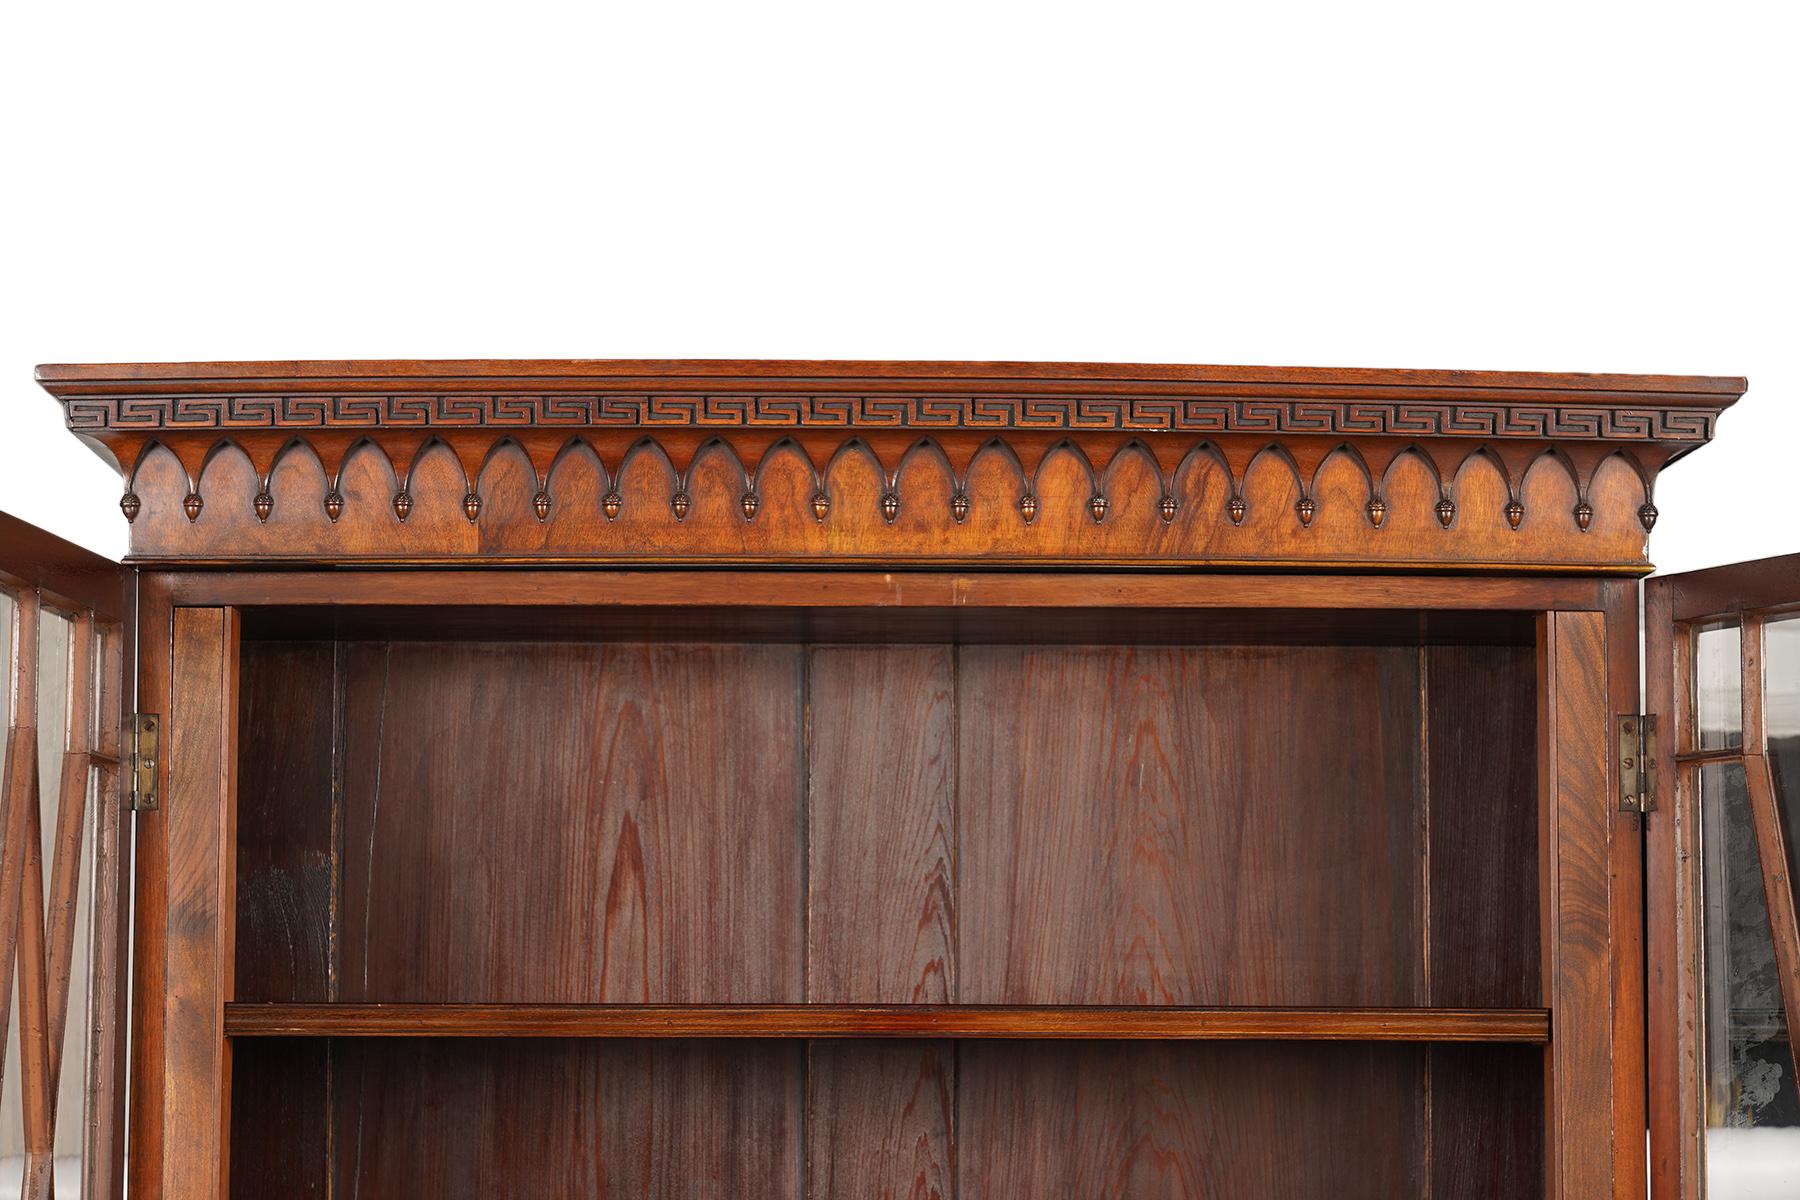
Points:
(402, 504)
(959, 507)
(1307, 509)
(264, 505)
(540, 504)
(1377, 511)
(679, 504)
(1584, 516)
(1647, 516)
(821, 504)
(1028, 507)
(1236, 509)
(1097, 507)
(192, 506)
(611, 504)
(1446, 511)
(472, 507)
(890, 506)
(129, 504)
(749, 502)
(1515, 513)
(334, 504)
(1168, 506)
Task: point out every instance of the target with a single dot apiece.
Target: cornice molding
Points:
(884, 461)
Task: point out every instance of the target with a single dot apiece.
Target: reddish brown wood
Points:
(948, 462)
(1121, 806)
(1214, 1121)
(1152, 1022)
(109, 1010)
(881, 825)
(199, 807)
(286, 866)
(881, 1120)
(627, 833)
(150, 1047)
(426, 592)
(1480, 747)
(20, 782)
(1578, 948)
(67, 576)
(567, 1121)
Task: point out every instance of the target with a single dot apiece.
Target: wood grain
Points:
(881, 825)
(1393, 601)
(1481, 750)
(1486, 1122)
(1577, 807)
(1228, 826)
(1157, 1022)
(881, 1120)
(199, 739)
(568, 823)
(568, 1120)
(1144, 1122)
(285, 900)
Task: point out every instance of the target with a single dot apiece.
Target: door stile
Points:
(1578, 813)
(109, 995)
(1672, 860)
(1625, 864)
(200, 856)
(155, 643)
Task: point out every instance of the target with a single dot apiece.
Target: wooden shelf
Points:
(889, 1021)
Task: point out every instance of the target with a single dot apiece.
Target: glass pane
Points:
(1781, 723)
(1752, 1106)
(55, 643)
(1718, 687)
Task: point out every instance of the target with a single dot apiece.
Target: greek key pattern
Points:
(1540, 421)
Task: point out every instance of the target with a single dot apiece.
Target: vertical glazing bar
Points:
(71, 821)
(1771, 838)
(103, 1144)
(21, 769)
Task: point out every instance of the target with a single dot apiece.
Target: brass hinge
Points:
(1637, 763)
(143, 758)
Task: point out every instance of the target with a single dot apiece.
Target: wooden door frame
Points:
(1590, 856)
(1673, 606)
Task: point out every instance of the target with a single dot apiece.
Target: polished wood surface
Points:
(1578, 951)
(1155, 1023)
(896, 462)
(200, 736)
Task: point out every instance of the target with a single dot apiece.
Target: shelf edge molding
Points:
(1531, 1025)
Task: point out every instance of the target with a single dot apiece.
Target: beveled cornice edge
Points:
(1076, 397)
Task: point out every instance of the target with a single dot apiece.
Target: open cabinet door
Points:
(1723, 675)
(64, 861)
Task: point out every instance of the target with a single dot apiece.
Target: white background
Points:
(1574, 187)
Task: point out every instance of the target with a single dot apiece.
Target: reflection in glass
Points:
(1718, 687)
(1752, 1105)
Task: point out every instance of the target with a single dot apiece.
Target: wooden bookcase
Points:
(669, 779)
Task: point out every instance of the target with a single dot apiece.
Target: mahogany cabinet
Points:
(812, 779)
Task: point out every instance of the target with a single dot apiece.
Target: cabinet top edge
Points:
(67, 380)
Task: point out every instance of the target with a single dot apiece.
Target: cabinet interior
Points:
(1048, 808)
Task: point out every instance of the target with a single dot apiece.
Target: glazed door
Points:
(1723, 658)
(63, 866)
